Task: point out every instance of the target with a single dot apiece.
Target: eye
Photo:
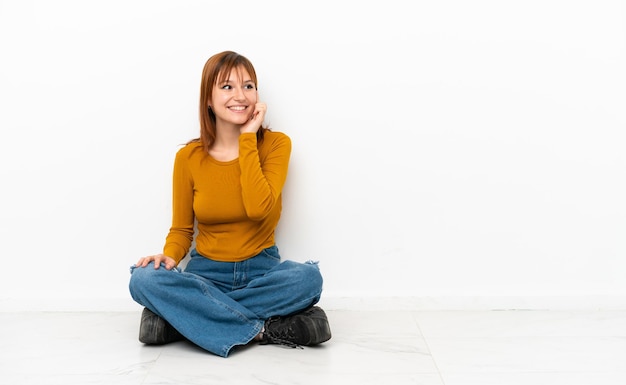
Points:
(226, 87)
(250, 86)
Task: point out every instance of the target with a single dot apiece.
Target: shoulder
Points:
(276, 138)
(275, 143)
(189, 149)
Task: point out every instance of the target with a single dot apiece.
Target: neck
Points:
(227, 135)
(226, 145)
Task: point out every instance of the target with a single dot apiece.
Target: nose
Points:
(239, 94)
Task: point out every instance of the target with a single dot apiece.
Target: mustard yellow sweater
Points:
(236, 204)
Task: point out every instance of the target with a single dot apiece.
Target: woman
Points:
(234, 289)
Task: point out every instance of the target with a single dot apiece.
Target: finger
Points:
(260, 109)
(142, 262)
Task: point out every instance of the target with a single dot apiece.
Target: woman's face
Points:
(234, 99)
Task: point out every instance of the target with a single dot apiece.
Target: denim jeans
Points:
(219, 305)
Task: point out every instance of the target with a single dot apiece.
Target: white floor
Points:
(382, 348)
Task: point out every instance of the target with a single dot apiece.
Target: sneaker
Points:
(307, 328)
(154, 330)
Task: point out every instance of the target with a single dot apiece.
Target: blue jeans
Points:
(219, 305)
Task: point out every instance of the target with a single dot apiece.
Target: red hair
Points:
(217, 69)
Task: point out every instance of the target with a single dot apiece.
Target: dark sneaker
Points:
(154, 330)
(307, 328)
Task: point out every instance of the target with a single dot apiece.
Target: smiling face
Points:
(233, 98)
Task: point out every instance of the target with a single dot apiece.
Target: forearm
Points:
(262, 182)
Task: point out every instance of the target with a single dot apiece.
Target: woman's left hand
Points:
(256, 119)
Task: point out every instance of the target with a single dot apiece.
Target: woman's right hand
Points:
(169, 262)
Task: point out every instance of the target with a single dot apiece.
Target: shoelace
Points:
(280, 338)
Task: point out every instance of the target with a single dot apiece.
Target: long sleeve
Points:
(180, 236)
(235, 204)
(263, 173)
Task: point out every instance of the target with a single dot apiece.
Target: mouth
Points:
(237, 108)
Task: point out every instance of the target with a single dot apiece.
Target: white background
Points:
(449, 153)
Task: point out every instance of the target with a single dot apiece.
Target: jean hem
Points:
(257, 329)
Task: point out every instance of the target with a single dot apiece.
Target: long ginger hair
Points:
(217, 69)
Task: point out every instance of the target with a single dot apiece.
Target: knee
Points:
(142, 278)
(314, 276)
(311, 281)
(136, 279)
(309, 276)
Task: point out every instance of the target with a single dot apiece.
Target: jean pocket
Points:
(271, 252)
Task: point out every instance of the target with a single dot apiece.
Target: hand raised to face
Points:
(256, 118)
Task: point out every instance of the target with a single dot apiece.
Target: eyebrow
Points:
(230, 81)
